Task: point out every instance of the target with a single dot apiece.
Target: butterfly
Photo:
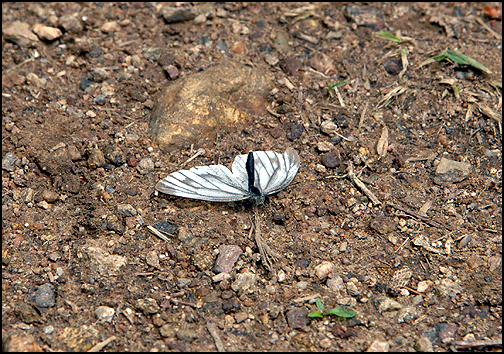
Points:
(253, 176)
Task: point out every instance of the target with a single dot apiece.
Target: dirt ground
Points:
(420, 264)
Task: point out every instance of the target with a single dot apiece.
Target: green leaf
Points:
(319, 304)
(389, 37)
(337, 84)
(455, 91)
(461, 59)
(440, 57)
(317, 314)
(340, 311)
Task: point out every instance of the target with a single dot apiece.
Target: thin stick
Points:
(158, 233)
(215, 335)
(102, 345)
(355, 180)
(485, 26)
(200, 151)
(477, 343)
(425, 219)
(185, 303)
(340, 99)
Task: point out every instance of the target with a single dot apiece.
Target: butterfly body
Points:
(253, 176)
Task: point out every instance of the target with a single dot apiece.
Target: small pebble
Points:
(145, 166)
(50, 196)
(228, 255)
(424, 345)
(105, 313)
(324, 146)
(328, 127)
(324, 269)
(48, 329)
(331, 159)
(379, 346)
(297, 318)
(126, 210)
(45, 296)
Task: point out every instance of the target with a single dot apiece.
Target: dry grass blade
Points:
(397, 91)
(382, 145)
(200, 151)
(404, 61)
(363, 115)
(301, 11)
(268, 256)
(490, 114)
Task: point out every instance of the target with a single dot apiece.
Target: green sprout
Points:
(339, 311)
(337, 84)
(389, 37)
(458, 58)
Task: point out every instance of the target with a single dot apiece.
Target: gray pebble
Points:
(379, 346)
(243, 281)
(45, 296)
(145, 166)
(152, 259)
(74, 153)
(449, 171)
(447, 287)
(423, 345)
(385, 304)
(173, 14)
(98, 75)
(328, 127)
(296, 131)
(105, 313)
(48, 329)
(126, 210)
(70, 23)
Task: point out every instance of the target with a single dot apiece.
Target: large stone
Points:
(219, 99)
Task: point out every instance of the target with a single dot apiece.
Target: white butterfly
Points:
(254, 176)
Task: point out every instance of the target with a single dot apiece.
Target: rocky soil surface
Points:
(395, 215)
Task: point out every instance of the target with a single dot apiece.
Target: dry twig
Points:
(200, 151)
(102, 345)
(423, 218)
(476, 343)
(158, 233)
(355, 180)
(215, 335)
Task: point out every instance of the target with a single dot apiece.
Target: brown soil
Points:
(73, 137)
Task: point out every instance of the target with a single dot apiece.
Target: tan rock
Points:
(219, 99)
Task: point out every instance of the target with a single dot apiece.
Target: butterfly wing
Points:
(274, 171)
(213, 183)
